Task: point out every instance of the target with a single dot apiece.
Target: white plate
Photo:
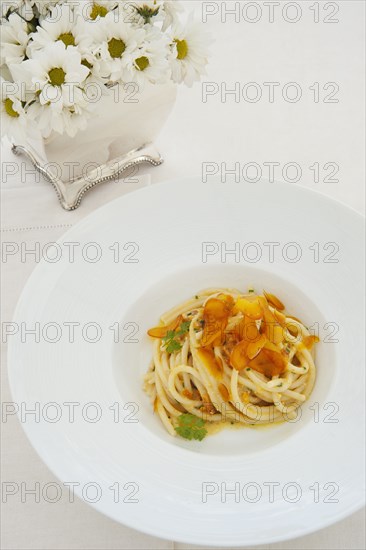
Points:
(290, 479)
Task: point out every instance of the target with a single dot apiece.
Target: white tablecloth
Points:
(311, 138)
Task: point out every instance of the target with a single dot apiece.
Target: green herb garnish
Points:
(184, 327)
(170, 342)
(191, 427)
(173, 346)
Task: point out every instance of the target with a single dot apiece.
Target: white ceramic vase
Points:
(124, 119)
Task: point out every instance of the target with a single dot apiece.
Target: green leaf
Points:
(184, 328)
(172, 346)
(169, 335)
(191, 427)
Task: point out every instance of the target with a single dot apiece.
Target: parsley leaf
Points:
(169, 335)
(191, 427)
(184, 327)
(171, 344)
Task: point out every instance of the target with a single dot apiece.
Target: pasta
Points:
(225, 357)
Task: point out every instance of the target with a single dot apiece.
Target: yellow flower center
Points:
(67, 38)
(182, 48)
(98, 10)
(57, 76)
(8, 104)
(116, 47)
(142, 63)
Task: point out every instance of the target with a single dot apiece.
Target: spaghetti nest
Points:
(228, 357)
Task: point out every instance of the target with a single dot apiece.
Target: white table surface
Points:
(215, 131)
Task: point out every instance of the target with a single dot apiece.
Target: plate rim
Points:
(28, 430)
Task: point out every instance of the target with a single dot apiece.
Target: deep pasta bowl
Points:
(141, 255)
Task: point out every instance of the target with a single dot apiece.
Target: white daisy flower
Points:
(93, 10)
(55, 71)
(116, 43)
(67, 120)
(64, 27)
(14, 39)
(89, 13)
(92, 63)
(189, 52)
(13, 115)
(56, 48)
(69, 28)
(57, 76)
(140, 12)
(149, 63)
